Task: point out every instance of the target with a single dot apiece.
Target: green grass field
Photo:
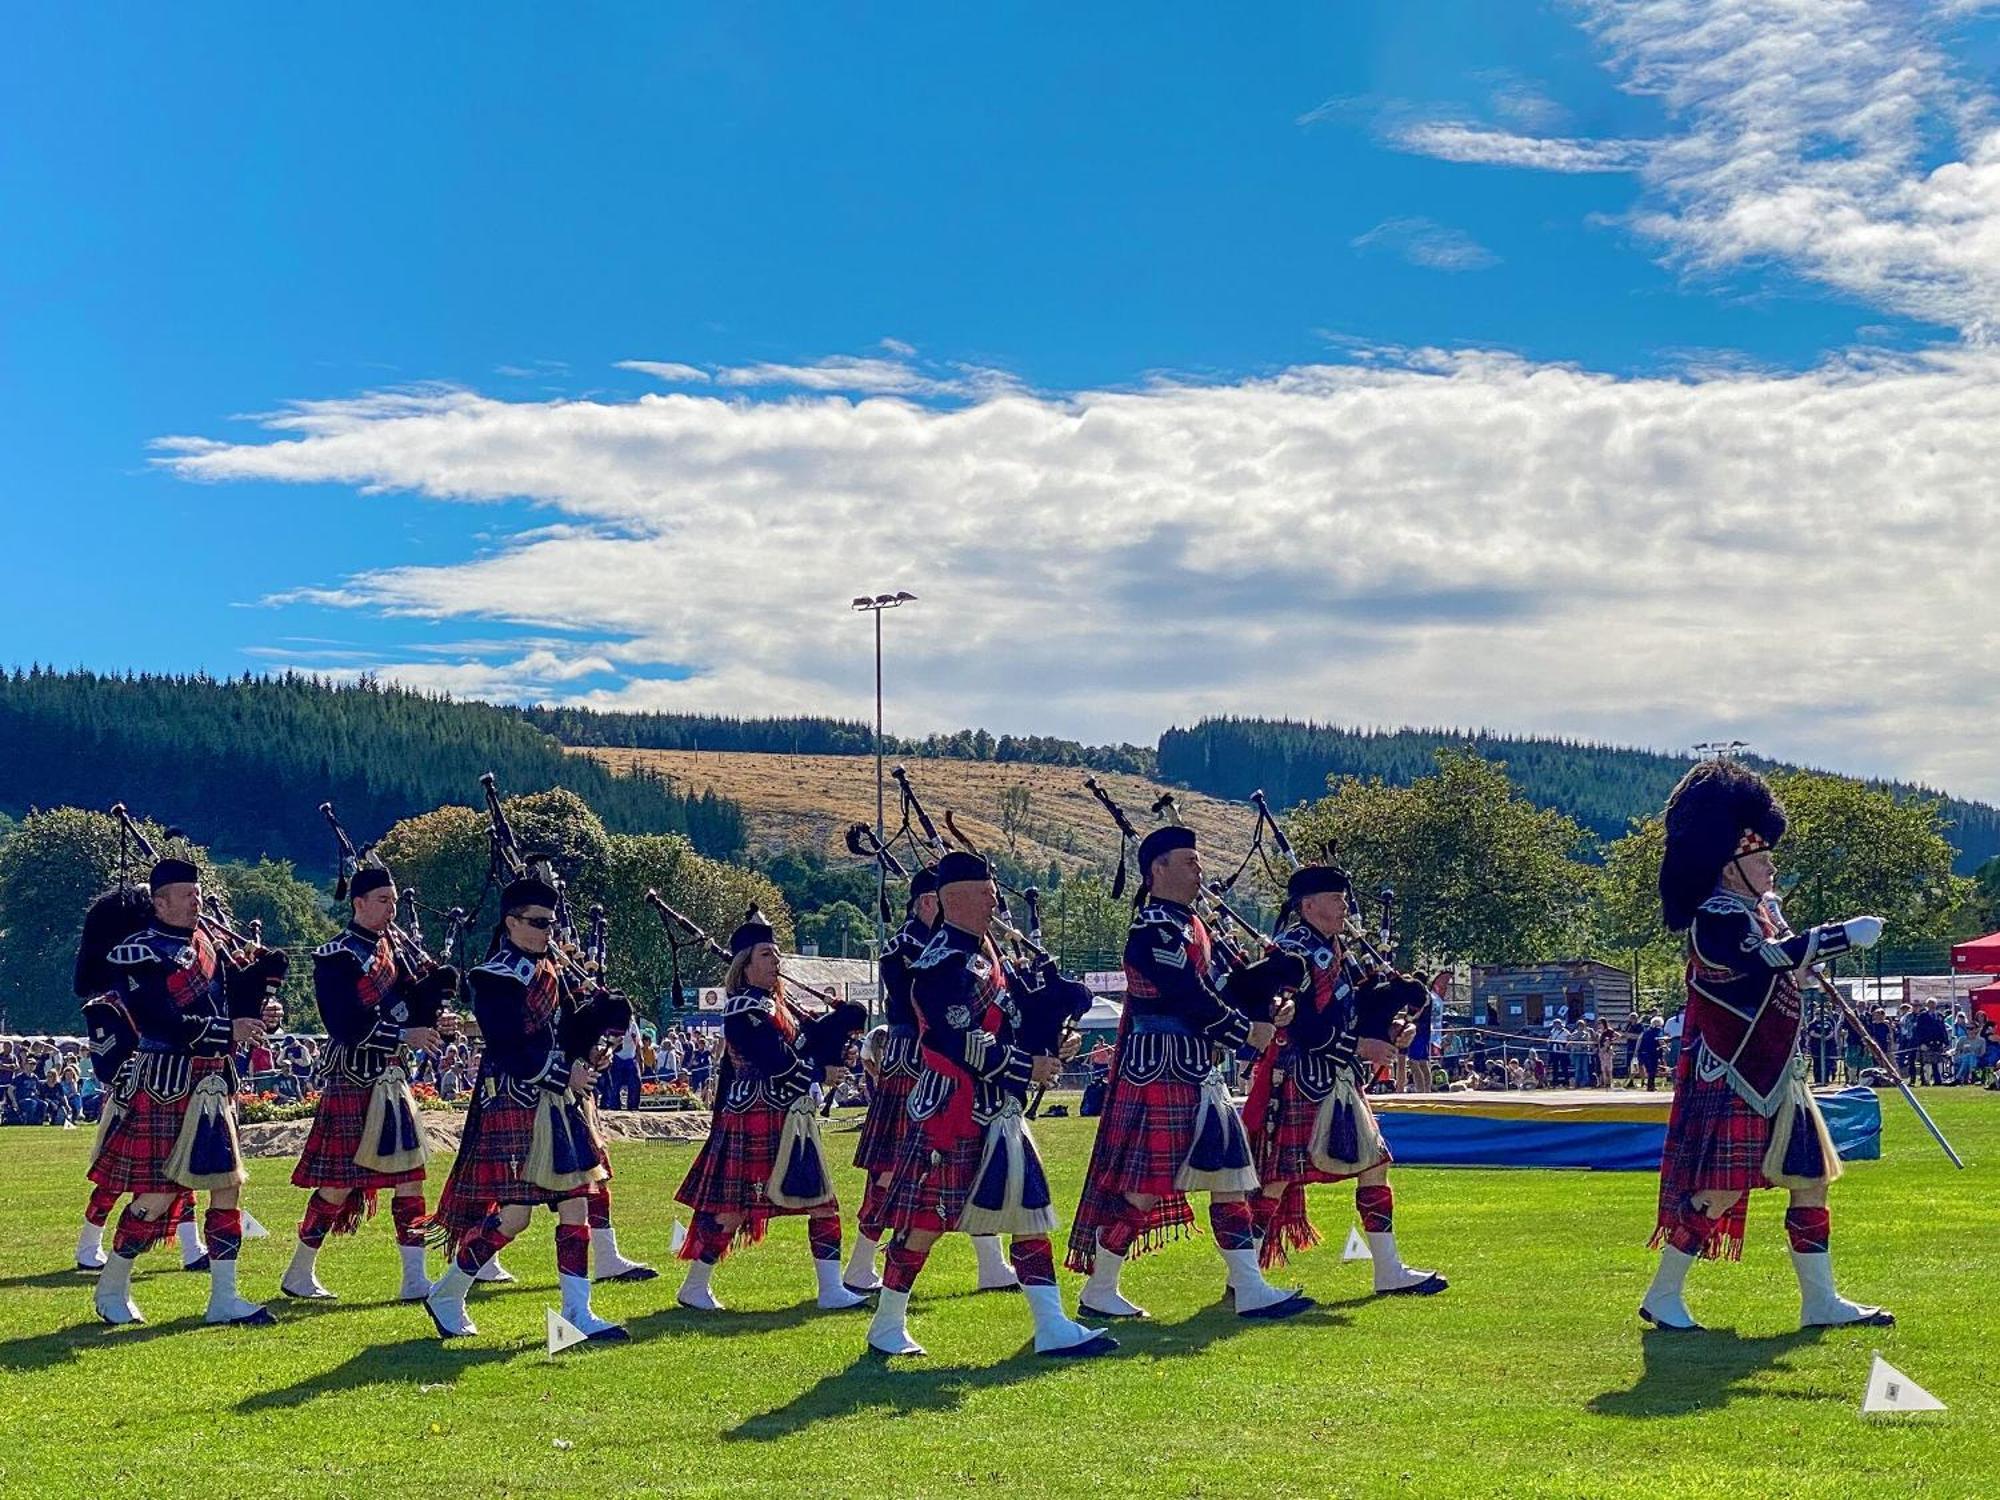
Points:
(1530, 1376)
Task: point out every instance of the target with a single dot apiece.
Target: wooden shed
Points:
(1526, 997)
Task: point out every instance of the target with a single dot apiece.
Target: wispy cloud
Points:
(1430, 535)
(668, 370)
(1843, 142)
(1424, 242)
(872, 376)
(1449, 141)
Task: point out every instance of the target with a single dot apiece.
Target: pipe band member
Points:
(969, 1163)
(176, 1128)
(529, 1135)
(1743, 1117)
(1307, 1113)
(366, 1136)
(763, 1158)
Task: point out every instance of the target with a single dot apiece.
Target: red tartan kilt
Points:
(1288, 1157)
(134, 1159)
(880, 1147)
(490, 1170)
(1714, 1139)
(931, 1183)
(1144, 1135)
(734, 1166)
(328, 1157)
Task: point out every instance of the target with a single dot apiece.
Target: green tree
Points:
(55, 865)
(1625, 908)
(840, 930)
(1084, 925)
(444, 854)
(1982, 907)
(1852, 848)
(1015, 801)
(294, 916)
(1480, 872)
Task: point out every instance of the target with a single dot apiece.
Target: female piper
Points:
(763, 1158)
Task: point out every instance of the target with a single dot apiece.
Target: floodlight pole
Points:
(875, 604)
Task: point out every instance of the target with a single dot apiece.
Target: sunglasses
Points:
(540, 924)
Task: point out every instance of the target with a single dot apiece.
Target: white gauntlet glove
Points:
(1862, 932)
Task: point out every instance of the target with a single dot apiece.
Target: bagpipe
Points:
(589, 1010)
(1051, 1002)
(1253, 982)
(251, 973)
(432, 984)
(823, 1034)
(1369, 967)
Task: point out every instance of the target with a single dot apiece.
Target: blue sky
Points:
(446, 227)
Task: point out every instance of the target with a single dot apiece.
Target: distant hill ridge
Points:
(1604, 787)
(243, 763)
(250, 758)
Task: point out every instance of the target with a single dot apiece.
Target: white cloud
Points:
(1451, 141)
(1801, 560)
(1424, 242)
(876, 377)
(1838, 139)
(667, 370)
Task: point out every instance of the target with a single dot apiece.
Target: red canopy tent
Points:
(1986, 1002)
(1980, 956)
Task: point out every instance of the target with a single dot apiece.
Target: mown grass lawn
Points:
(1530, 1376)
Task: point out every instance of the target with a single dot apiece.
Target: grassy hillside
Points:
(790, 801)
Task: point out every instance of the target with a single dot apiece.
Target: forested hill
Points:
(243, 764)
(590, 729)
(1602, 786)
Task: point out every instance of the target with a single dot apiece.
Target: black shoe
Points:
(1083, 1307)
(1877, 1317)
(1291, 1307)
(322, 1295)
(1104, 1343)
(631, 1273)
(200, 1264)
(438, 1323)
(261, 1318)
(610, 1335)
(1646, 1316)
(1430, 1286)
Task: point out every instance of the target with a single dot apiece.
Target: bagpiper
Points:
(1743, 1116)
(763, 1158)
(528, 1137)
(969, 1164)
(175, 1128)
(898, 1067)
(366, 1135)
(1168, 1127)
(119, 914)
(1306, 1114)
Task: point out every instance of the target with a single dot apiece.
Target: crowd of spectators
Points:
(44, 1083)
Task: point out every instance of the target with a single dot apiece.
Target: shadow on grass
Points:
(40, 1350)
(50, 1279)
(871, 1383)
(414, 1360)
(1689, 1372)
(733, 1323)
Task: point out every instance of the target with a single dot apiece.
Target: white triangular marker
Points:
(563, 1333)
(1357, 1247)
(679, 1237)
(1889, 1389)
(252, 1230)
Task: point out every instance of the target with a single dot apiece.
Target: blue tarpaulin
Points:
(1601, 1131)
